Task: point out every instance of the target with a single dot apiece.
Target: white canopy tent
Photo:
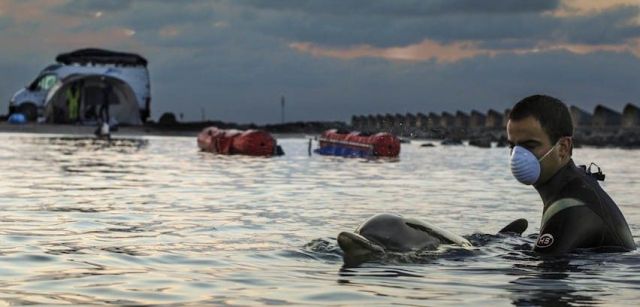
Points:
(94, 89)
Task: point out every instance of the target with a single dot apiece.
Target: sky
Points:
(232, 60)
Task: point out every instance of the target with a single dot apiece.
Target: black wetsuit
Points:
(579, 214)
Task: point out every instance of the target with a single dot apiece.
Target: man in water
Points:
(577, 213)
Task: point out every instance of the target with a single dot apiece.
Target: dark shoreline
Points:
(176, 129)
(599, 138)
(625, 139)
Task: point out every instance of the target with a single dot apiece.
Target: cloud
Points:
(406, 8)
(236, 58)
(377, 24)
(142, 15)
(162, 23)
(386, 27)
(428, 50)
(5, 22)
(91, 7)
(611, 26)
(425, 50)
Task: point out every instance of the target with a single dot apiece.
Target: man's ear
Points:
(566, 147)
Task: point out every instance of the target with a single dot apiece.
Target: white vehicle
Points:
(95, 78)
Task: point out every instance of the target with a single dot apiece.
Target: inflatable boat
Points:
(357, 144)
(237, 142)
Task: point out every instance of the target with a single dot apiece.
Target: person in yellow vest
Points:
(73, 99)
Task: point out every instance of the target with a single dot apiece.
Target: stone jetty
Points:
(603, 127)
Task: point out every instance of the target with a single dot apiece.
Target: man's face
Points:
(528, 133)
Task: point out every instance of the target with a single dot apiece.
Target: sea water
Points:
(151, 220)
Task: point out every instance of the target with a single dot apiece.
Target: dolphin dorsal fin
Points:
(516, 227)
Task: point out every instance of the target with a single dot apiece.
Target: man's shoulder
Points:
(569, 223)
(563, 207)
(569, 215)
(587, 190)
(579, 187)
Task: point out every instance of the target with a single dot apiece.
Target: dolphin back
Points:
(444, 235)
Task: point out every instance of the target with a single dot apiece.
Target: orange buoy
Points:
(231, 142)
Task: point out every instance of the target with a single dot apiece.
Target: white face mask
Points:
(525, 166)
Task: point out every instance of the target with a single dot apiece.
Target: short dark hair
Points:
(553, 115)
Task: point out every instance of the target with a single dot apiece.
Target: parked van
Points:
(74, 89)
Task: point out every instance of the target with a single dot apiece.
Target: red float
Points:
(334, 142)
(232, 142)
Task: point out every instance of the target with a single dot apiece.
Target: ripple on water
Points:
(150, 220)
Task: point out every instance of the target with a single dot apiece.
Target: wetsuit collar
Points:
(554, 185)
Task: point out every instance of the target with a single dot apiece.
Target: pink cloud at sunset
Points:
(426, 50)
(37, 25)
(455, 50)
(25, 11)
(581, 7)
(449, 53)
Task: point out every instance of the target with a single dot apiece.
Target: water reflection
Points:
(70, 145)
(540, 281)
(547, 284)
(154, 221)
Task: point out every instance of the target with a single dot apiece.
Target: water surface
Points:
(151, 220)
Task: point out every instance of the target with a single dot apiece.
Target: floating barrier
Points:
(232, 142)
(356, 144)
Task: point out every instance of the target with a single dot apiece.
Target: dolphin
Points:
(385, 233)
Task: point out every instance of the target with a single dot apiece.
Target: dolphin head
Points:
(393, 233)
(384, 233)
